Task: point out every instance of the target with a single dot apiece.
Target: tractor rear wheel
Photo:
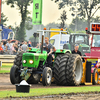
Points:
(62, 69)
(95, 77)
(56, 69)
(18, 59)
(15, 75)
(74, 70)
(47, 76)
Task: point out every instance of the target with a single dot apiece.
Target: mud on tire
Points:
(74, 70)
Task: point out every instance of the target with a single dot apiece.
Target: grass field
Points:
(49, 91)
(5, 68)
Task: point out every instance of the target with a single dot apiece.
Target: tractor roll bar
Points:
(43, 31)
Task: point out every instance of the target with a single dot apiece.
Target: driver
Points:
(48, 47)
(76, 51)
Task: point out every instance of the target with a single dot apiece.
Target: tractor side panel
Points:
(88, 71)
(84, 73)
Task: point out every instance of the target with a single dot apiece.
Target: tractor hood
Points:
(33, 59)
(33, 50)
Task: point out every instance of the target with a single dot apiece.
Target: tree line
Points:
(84, 10)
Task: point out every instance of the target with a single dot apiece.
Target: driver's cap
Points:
(76, 45)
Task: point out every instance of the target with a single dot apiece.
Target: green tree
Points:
(23, 8)
(3, 19)
(63, 18)
(81, 24)
(84, 7)
(96, 20)
(28, 23)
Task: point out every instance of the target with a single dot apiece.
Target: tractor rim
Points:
(96, 77)
(78, 70)
(48, 77)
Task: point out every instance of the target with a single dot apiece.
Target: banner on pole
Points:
(37, 12)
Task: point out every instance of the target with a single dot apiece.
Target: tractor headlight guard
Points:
(31, 61)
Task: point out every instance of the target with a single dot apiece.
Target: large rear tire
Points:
(56, 69)
(74, 70)
(15, 75)
(62, 69)
(95, 77)
(47, 76)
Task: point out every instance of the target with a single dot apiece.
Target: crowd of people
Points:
(10, 48)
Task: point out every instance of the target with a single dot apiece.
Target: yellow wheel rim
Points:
(96, 77)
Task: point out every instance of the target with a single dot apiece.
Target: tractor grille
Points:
(28, 57)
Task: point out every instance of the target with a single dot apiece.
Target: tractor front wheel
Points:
(15, 75)
(47, 76)
(95, 77)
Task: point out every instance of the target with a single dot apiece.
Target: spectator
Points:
(4, 46)
(13, 50)
(1, 49)
(22, 43)
(76, 51)
(24, 47)
(19, 49)
(29, 44)
(8, 47)
(16, 47)
(37, 46)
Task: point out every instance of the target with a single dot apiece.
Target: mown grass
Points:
(5, 69)
(49, 91)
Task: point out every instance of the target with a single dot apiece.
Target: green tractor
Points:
(32, 66)
(81, 39)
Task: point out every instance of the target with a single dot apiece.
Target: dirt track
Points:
(6, 85)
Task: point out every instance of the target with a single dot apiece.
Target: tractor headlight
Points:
(24, 61)
(31, 61)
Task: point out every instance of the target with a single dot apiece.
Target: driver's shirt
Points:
(47, 47)
(78, 52)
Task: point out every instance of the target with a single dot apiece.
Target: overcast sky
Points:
(50, 13)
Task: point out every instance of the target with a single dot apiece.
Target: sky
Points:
(50, 14)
